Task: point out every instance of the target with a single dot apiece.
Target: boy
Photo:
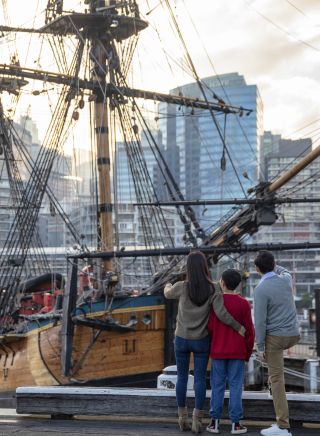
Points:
(228, 352)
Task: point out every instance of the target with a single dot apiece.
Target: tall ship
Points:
(87, 327)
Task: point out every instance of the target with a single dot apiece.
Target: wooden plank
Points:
(150, 403)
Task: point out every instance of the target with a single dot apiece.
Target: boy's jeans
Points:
(223, 370)
(200, 349)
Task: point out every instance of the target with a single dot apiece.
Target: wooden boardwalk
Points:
(29, 426)
(150, 403)
(136, 412)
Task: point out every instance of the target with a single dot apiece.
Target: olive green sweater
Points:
(192, 320)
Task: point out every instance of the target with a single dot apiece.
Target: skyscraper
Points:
(194, 148)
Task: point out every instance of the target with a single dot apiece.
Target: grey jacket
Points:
(274, 308)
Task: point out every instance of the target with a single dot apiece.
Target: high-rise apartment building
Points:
(131, 226)
(194, 148)
(297, 222)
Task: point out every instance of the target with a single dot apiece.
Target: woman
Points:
(196, 296)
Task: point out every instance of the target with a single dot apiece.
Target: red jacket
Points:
(226, 343)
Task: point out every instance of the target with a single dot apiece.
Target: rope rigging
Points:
(17, 244)
(141, 176)
(119, 57)
(16, 193)
(197, 78)
(27, 160)
(167, 174)
(261, 169)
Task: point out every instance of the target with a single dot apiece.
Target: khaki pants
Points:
(275, 345)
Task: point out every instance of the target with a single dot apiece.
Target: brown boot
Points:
(183, 419)
(197, 421)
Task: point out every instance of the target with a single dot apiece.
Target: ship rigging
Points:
(72, 335)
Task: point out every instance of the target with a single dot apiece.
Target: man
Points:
(277, 330)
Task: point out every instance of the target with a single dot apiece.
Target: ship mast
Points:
(105, 26)
(100, 49)
(105, 62)
(105, 23)
(103, 162)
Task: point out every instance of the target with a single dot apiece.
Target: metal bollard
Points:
(253, 375)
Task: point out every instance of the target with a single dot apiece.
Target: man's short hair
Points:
(231, 278)
(265, 261)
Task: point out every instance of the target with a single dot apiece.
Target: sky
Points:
(274, 44)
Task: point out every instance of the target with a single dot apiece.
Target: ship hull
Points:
(98, 357)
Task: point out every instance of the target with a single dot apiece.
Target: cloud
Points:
(291, 103)
(273, 51)
(257, 38)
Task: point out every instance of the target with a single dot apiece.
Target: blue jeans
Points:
(200, 349)
(223, 370)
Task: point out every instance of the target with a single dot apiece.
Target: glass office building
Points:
(194, 148)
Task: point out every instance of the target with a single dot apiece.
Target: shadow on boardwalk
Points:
(48, 427)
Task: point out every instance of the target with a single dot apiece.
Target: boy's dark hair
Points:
(265, 261)
(231, 278)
